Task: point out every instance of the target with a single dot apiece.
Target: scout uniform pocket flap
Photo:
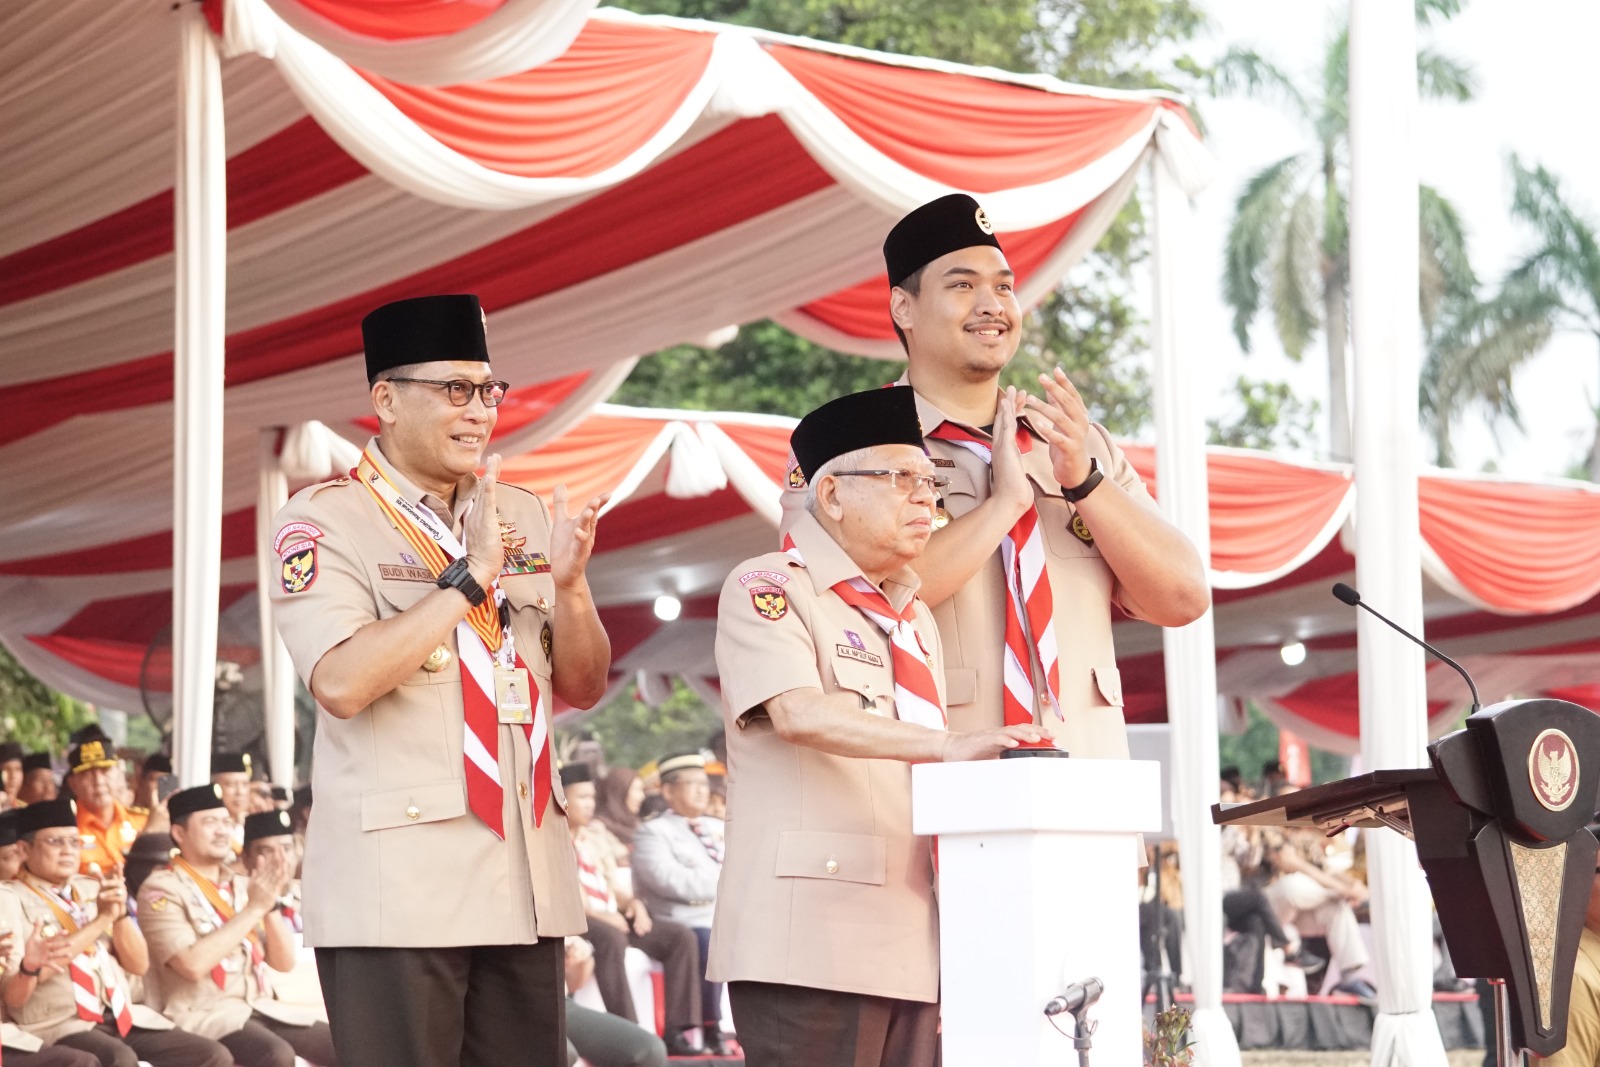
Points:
(1109, 681)
(870, 681)
(384, 809)
(960, 685)
(841, 857)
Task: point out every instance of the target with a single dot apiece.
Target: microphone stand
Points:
(1083, 1029)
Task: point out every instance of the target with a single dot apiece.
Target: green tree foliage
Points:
(33, 715)
(634, 733)
(1089, 325)
(1259, 743)
(1270, 417)
(1288, 246)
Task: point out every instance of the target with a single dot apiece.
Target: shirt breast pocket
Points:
(874, 685)
(397, 597)
(532, 601)
(1065, 532)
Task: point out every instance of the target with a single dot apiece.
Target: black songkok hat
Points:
(10, 750)
(47, 814)
(8, 827)
(157, 763)
(935, 229)
(185, 802)
(280, 794)
(91, 732)
(573, 773)
(230, 763)
(37, 761)
(857, 420)
(424, 329)
(264, 824)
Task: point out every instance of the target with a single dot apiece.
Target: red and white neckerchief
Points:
(92, 999)
(481, 644)
(1030, 606)
(916, 694)
(592, 880)
(217, 901)
(713, 844)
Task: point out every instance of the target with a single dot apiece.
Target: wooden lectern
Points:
(1499, 818)
(1038, 889)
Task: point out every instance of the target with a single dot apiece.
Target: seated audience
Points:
(66, 982)
(10, 849)
(212, 935)
(618, 919)
(677, 859)
(618, 796)
(38, 780)
(10, 770)
(1316, 902)
(109, 827)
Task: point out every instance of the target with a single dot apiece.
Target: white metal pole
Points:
(277, 670)
(200, 256)
(1386, 335)
(1190, 651)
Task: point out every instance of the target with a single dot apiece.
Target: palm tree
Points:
(1288, 245)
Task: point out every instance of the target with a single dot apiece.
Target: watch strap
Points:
(1087, 486)
(457, 576)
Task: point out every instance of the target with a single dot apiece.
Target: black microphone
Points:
(1353, 598)
(1076, 997)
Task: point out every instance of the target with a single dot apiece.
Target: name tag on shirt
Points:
(859, 655)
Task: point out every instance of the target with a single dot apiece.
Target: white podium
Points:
(1038, 888)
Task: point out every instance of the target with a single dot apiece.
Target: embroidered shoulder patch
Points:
(766, 576)
(1080, 530)
(296, 546)
(794, 478)
(769, 601)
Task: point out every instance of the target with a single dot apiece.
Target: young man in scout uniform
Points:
(832, 684)
(269, 840)
(66, 980)
(213, 934)
(38, 780)
(677, 860)
(108, 826)
(434, 616)
(618, 919)
(1031, 481)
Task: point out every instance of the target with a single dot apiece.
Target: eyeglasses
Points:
(460, 391)
(902, 479)
(73, 842)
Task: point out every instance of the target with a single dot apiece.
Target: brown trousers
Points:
(264, 1042)
(797, 1026)
(478, 1006)
(671, 944)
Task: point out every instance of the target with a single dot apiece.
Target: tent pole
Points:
(1189, 651)
(1386, 334)
(277, 670)
(200, 257)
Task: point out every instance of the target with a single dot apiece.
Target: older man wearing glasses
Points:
(832, 685)
(435, 615)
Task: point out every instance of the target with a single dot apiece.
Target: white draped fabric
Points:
(1385, 334)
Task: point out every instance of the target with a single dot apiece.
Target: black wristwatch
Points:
(1085, 487)
(457, 576)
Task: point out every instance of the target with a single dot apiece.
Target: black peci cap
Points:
(935, 229)
(573, 773)
(230, 763)
(856, 420)
(46, 815)
(424, 329)
(265, 824)
(185, 802)
(37, 761)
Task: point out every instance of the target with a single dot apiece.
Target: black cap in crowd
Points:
(573, 773)
(856, 420)
(8, 827)
(935, 229)
(280, 794)
(37, 761)
(89, 732)
(185, 802)
(266, 824)
(424, 329)
(47, 814)
(10, 750)
(92, 754)
(230, 763)
(158, 763)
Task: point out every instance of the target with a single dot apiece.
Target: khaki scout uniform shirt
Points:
(393, 856)
(174, 915)
(972, 622)
(824, 884)
(52, 1012)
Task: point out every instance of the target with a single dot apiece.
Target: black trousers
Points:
(264, 1042)
(51, 1056)
(797, 1026)
(478, 1006)
(673, 945)
(162, 1048)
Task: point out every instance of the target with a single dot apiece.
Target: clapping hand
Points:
(112, 900)
(572, 537)
(486, 552)
(49, 956)
(1064, 422)
(1005, 464)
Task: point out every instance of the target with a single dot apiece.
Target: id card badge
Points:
(513, 695)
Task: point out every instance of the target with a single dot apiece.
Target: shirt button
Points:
(522, 790)
(832, 867)
(413, 813)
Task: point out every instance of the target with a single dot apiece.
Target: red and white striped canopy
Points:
(1512, 578)
(656, 182)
